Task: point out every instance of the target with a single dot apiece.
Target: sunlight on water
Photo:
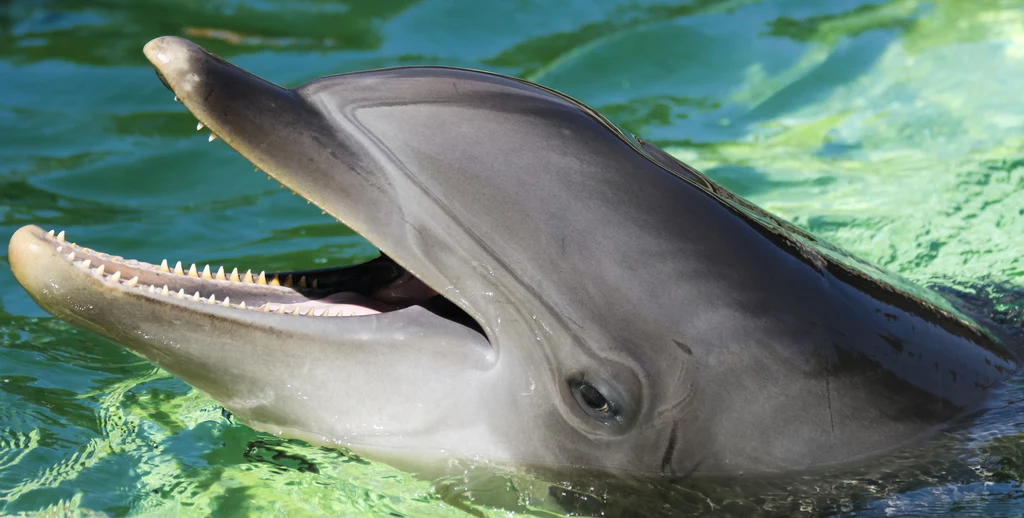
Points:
(913, 164)
(892, 129)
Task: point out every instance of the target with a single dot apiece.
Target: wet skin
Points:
(553, 292)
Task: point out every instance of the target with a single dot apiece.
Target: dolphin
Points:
(550, 292)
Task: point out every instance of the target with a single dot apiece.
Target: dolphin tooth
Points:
(60, 236)
(196, 297)
(152, 289)
(248, 277)
(288, 281)
(175, 98)
(178, 270)
(275, 281)
(302, 282)
(52, 233)
(163, 266)
(316, 283)
(211, 300)
(116, 276)
(206, 273)
(59, 248)
(227, 302)
(320, 314)
(165, 291)
(192, 271)
(220, 274)
(98, 272)
(303, 313)
(280, 309)
(212, 137)
(131, 283)
(262, 279)
(241, 305)
(200, 126)
(234, 275)
(181, 293)
(85, 264)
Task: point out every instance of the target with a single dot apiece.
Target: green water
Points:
(893, 129)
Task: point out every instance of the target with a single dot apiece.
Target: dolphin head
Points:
(460, 177)
(459, 339)
(549, 292)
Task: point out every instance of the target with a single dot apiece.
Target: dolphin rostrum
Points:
(550, 292)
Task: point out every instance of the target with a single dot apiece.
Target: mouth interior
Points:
(376, 286)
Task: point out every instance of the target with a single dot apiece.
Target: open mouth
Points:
(85, 285)
(380, 285)
(377, 286)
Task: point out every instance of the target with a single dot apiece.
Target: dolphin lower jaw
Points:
(230, 340)
(156, 308)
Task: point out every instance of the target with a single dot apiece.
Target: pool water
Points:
(892, 129)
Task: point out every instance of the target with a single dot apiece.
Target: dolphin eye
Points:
(594, 403)
(593, 398)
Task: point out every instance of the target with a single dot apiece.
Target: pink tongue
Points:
(336, 305)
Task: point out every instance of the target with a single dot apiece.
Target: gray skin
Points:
(634, 315)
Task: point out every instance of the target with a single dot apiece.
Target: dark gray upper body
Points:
(721, 339)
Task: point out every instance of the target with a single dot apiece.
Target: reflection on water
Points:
(893, 129)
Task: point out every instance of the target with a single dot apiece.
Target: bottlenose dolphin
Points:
(550, 292)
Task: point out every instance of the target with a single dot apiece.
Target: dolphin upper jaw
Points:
(329, 164)
(240, 108)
